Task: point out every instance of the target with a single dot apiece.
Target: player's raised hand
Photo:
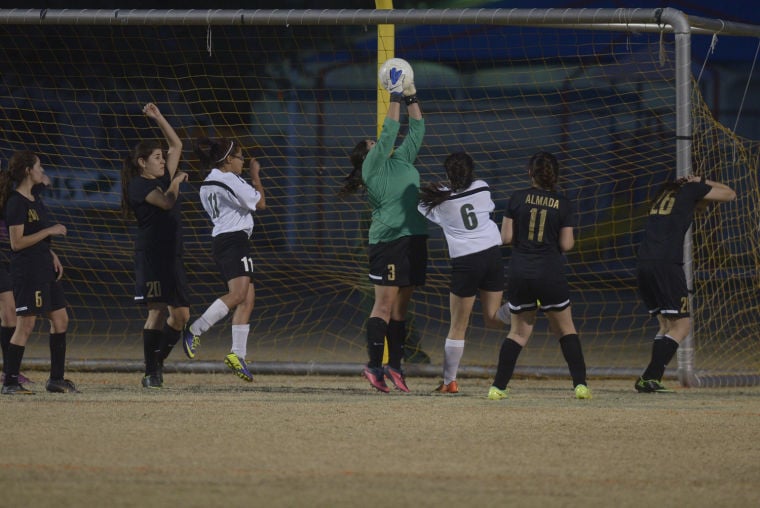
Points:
(151, 110)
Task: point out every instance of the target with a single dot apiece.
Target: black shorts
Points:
(400, 263)
(154, 277)
(5, 280)
(232, 254)
(479, 271)
(550, 295)
(38, 299)
(662, 286)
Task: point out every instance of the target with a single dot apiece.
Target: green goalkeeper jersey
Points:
(393, 183)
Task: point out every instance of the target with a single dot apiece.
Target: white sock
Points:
(452, 354)
(240, 339)
(214, 313)
(503, 314)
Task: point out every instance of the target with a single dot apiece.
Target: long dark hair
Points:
(669, 186)
(15, 174)
(213, 151)
(131, 169)
(459, 169)
(544, 170)
(353, 182)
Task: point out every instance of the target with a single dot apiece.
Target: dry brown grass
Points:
(212, 440)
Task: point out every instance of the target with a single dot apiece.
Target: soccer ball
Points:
(392, 70)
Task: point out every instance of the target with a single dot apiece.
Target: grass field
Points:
(213, 440)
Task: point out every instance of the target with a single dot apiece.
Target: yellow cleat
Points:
(582, 392)
(496, 394)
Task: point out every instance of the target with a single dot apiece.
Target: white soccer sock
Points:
(240, 339)
(214, 313)
(452, 355)
(503, 314)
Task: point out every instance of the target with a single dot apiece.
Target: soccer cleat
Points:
(582, 392)
(152, 381)
(452, 387)
(22, 379)
(17, 389)
(650, 386)
(396, 377)
(60, 386)
(376, 378)
(496, 394)
(238, 366)
(190, 342)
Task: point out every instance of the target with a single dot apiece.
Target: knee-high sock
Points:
(169, 338)
(573, 353)
(508, 354)
(453, 350)
(13, 363)
(57, 355)
(151, 349)
(663, 350)
(6, 333)
(396, 336)
(213, 314)
(240, 339)
(376, 330)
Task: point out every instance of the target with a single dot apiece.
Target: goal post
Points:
(612, 91)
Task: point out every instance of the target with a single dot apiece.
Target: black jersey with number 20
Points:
(669, 218)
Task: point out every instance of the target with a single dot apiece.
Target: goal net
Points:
(298, 98)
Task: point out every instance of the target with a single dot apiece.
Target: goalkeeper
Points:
(397, 233)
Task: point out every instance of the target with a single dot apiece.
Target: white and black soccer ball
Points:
(394, 69)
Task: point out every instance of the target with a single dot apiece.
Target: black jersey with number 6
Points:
(34, 263)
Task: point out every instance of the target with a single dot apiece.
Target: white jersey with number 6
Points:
(229, 201)
(465, 218)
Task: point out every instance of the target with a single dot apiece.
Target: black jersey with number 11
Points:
(537, 216)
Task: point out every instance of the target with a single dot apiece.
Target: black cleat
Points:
(17, 389)
(650, 386)
(60, 386)
(152, 381)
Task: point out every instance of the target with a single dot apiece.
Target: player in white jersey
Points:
(462, 207)
(229, 202)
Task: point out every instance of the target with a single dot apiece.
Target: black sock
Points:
(13, 359)
(151, 349)
(573, 353)
(508, 354)
(376, 330)
(663, 351)
(396, 338)
(57, 355)
(6, 333)
(169, 339)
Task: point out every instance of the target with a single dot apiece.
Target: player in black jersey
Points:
(539, 224)
(660, 274)
(150, 190)
(8, 308)
(35, 272)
